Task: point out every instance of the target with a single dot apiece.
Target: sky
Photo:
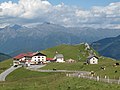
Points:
(75, 13)
(85, 3)
(82, 3)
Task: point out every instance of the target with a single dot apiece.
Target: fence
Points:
(96, 78)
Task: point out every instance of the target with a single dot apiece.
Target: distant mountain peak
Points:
(44, 35)
(47, 23)
(16, 26)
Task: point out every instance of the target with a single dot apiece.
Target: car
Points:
(54, 69)
(15, 65)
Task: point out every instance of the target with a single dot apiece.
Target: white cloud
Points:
(37, 11)
(24, 8)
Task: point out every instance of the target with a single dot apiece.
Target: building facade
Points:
(29, 59)
(92, 60)
(59, 58)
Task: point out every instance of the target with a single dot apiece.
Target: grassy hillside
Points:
(107, 63)
(23, 79)
(103, 62)
(5, 65)
(76, 52)
(79, 53)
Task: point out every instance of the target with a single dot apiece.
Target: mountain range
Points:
(17, 38)
(109, 47)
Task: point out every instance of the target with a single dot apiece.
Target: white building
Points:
(29, 58)
(92, 60)
(38, 58)
(71, 61)
(59, 58)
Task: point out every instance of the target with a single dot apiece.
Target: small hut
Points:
(92, 59)
(70, 61)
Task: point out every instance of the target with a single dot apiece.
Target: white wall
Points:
(60, 60)
(22, 59)
(35, 59)
(16, 62)
(93, 60)
(38, 58)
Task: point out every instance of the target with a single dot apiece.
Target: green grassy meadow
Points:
(5, 65)
(22, 79)
(107, 63)
(73, 51)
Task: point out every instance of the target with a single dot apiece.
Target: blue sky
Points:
(81, 3)
(84, 3)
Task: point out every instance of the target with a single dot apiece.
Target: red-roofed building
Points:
(50, 60)
(29, 58)
(19, 56)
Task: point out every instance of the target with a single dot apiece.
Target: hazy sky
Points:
(80, 13)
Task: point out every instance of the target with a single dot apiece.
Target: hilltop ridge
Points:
(78, 52)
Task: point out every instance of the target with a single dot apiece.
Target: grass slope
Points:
(76, 52)
(103, 62)
(5, 65)
(23, 79)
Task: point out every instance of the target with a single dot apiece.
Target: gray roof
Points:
(89, 57)
(59, 56)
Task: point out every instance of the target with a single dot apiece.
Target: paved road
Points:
(7, 72)
(84, 72)
(35, 67)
